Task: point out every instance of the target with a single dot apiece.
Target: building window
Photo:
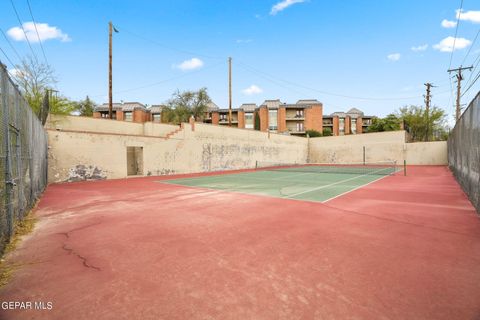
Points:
(299, 114)
(300, 126)
(341, 126)
(157, 117)
(354, 126)
(248, 120)
(104, 114)
(272, 120)
(223, 117)
(127, 116)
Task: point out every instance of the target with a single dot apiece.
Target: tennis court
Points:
(311, 182)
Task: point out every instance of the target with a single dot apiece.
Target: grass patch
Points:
(22, 228)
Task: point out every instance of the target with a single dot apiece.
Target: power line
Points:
(11, 77)
(11, 45)
(471, 46)
(21, 26)
(36, 30)
(476, 63)
(6, 56)
(330, 93)
(284, 86)
(456, 31)
(169, 47)
(470, 85)
(162, 81)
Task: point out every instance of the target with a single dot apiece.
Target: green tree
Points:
(62, 105)
(34, 79)
(257, 121)
(185, 104)
(85, 107)
(422, 126)
(313, 133)
(390, 123)
(326, 132)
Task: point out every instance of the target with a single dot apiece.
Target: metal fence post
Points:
(6, 135)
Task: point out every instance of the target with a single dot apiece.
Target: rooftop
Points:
(124, 106)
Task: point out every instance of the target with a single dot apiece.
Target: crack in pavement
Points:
(72, 251)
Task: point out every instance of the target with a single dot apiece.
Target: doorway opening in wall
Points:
(134, 161)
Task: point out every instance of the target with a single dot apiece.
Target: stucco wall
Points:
(382, 146)
(427, 153)
(207, 148)
(89, 124)
(85, 146)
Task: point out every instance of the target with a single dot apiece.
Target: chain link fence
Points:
(23, 157)
(464, 151)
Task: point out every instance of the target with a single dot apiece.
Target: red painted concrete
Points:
(400, 248)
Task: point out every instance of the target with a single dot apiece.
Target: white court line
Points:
(328, 185)
(361, 186)
(238, 175)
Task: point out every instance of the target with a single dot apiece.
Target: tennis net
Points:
(372, 168)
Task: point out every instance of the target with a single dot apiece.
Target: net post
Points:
(363, 155)
(405, 167)
(256, 164)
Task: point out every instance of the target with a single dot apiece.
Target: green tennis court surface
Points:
(307, 182)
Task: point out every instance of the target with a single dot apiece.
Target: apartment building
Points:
(351, 122)
(242, 117)
(156, 113)
(125, 111)
(211, 107)
(294, 119)
(271, 115)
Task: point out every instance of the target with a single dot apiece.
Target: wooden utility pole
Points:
(110, 99)
(229, 91)
(459, 85)
(427, 107)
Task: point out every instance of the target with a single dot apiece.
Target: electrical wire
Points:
(6, 56)
(456, 32)
(162, 81)
(21, 26)
(36, 30)
(471, 46)
(169, 47)
(11, 45)
(325, 92)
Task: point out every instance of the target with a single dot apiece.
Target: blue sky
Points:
(334, 51)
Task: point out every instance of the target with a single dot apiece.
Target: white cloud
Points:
(448, 24)
(394, 56)
(472, 16)
(282, 5)
(191, 64)
(244, 40)
(446, 45)
(45, 32)
(420, 48)
(253, 89)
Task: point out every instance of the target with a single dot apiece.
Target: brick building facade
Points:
(271, 115)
